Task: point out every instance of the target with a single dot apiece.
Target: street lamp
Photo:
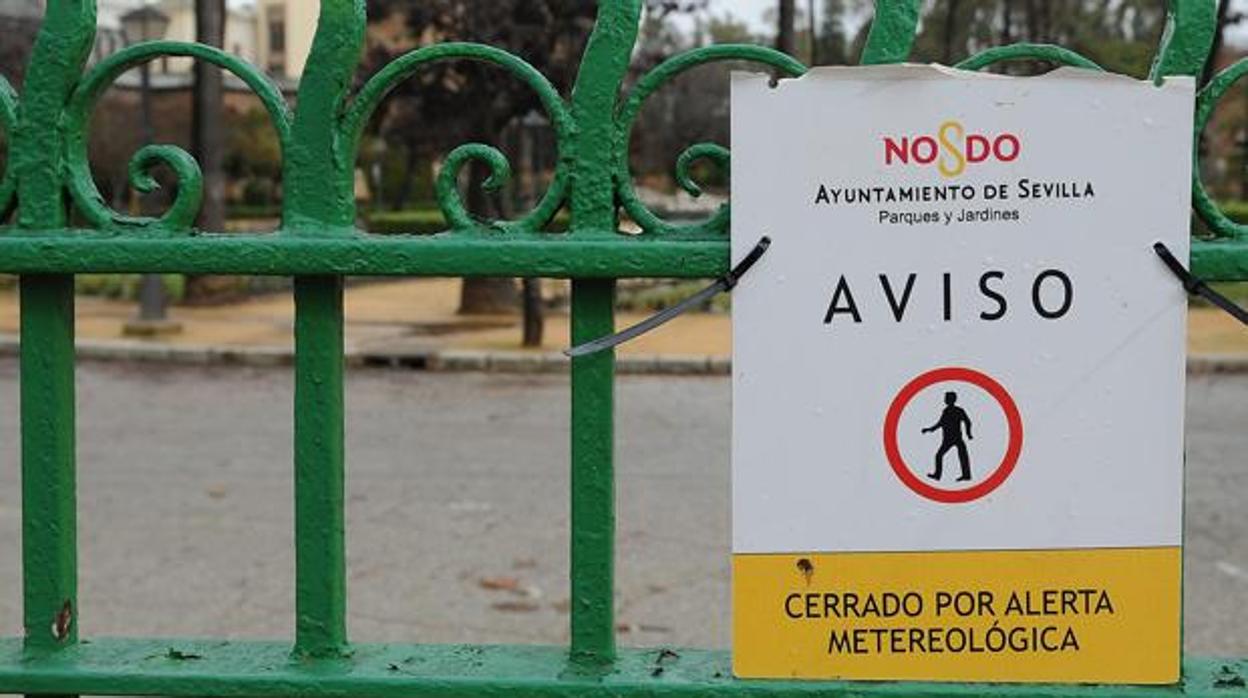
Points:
(146, 23)
(531, 126)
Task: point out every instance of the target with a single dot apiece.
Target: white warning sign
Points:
(958, 375)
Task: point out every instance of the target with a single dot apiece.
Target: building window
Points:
(277, 40)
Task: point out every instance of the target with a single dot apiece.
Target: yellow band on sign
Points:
(1091, 615)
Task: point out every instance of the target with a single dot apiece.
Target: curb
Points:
(463, 360)
(185, 354)
(1205, 364)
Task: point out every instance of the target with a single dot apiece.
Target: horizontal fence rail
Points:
(60, 226)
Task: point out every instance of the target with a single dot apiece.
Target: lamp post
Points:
(531, 125)
(146, 23)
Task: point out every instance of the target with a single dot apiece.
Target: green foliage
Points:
(427, 221)
(836, 45)
(251, 211)
(409, 222)
(395, 174)
(125, 286)
(1235, 210)
(253, 156)
(1237, 292)
(726, 29)
(1121, 36)
(653, 296)
(252, 149)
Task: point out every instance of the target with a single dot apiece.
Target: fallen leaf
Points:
(499, 583)
(515, 606)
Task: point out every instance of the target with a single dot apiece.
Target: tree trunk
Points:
(485, 296)
(208, 147)
(951, 29)
(1219, 39)
(1007, 23)
(814, 33)
(488, 296)
(786, 35)
(526, 193)
(409, 178)
(534, 322)
(1031, 18)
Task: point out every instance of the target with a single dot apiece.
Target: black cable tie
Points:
(1196, 286)
(725, 283)
(751, 258)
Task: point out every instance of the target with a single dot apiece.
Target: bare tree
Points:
(207, 138)
(1226, 18)
(786, 30)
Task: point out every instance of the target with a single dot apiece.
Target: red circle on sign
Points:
(965, 375)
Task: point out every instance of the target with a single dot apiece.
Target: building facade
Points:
(274, 35)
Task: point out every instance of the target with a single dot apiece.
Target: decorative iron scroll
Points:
(320, 142)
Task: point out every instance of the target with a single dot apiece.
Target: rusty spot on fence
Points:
(64, 621)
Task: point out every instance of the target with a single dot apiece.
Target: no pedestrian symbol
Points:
(954, 403)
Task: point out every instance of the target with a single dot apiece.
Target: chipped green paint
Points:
(320, 470)
(1186, 38)
(265, 669)
(319, 172)
(49, 500)
(319, 244)
(892, 32)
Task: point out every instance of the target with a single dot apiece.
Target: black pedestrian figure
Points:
(950, 426)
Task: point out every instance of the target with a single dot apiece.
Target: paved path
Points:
(456, 483)
(419, 315)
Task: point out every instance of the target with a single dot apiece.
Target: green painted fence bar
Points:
(320, 504)
(49, 501)
(593, 479)
(318, 243)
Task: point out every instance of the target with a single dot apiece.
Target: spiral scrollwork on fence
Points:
(181, 214)
(626, 120)
(1217, 221)
(450, 201)
(331, 131)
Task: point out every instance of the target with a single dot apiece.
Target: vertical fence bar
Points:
(596, 145)
(593, 477)
(49, 502)
(320, 548)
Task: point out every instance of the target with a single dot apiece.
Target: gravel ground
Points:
(458, 514)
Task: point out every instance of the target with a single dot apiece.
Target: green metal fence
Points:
(48, 174)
